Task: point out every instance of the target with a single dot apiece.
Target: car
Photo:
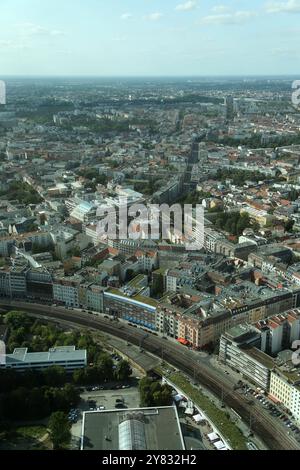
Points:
(120, 400)
(101, 408)
(88, 389)
(120, 405)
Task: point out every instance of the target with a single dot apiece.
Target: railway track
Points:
(262, 424)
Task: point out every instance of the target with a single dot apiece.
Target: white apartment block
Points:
(284, 387)
(238, 350)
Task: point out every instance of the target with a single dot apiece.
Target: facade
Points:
(94, 298)
(66, 291)
(65, 356)
(239, 348)
(138, 309)
(13, 282)
(284, 387)
(167, 321)
(247, 349)
(39, 284)
(210, 239)
(279, 331)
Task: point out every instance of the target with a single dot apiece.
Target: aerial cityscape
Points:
(149, 235)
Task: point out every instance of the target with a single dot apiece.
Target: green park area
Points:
(220, 418)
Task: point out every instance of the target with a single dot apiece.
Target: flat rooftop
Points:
(162, 431)
(259, 356)
(57, 354)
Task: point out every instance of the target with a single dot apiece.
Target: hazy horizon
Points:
(188, 77)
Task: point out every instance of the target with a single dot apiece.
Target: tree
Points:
(71, 394)
(55, 376)
(152, 393)
(105, 366)
(79, 376)
(59, 428)
(123, 371)
(18, 320)
(289, 225)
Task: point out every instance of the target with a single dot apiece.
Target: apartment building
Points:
(133, 308)
(247, 348)
(240, 349)
(285, 388)
(166, 321)
(66, 291)
(94, 298)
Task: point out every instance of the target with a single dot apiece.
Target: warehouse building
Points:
(132, 429)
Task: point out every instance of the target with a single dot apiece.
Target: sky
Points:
(149, 37)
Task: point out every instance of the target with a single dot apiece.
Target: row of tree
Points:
(238, 177)
(233, 223)
(23, 193)
(37, 402)
(56, 376)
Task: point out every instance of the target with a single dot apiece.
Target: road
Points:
(183, 359)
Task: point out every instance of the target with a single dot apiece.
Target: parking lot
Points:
(107, 398)
(283, 417)
(102, 399)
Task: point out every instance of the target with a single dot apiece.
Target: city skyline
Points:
(147, 38)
